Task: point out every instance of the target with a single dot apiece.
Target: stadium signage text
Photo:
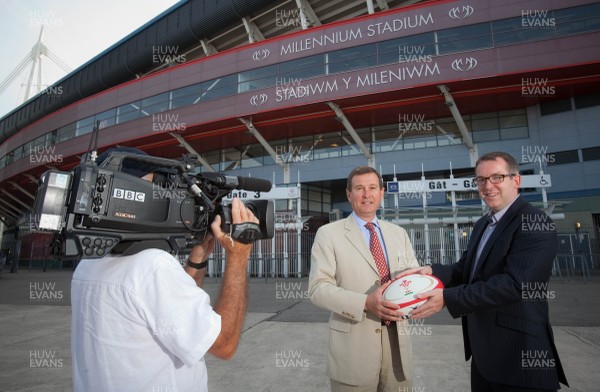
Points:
(341, 36)
(460, 184)
(417, 71)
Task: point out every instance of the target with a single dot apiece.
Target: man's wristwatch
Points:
(190, 263)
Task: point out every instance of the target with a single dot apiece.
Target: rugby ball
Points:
(404, 291)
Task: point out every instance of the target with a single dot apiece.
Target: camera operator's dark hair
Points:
(360, 170)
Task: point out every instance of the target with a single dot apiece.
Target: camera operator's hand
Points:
(239, 214)
(232, 302)
(199, 254)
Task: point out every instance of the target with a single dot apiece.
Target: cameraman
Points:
(143, 323)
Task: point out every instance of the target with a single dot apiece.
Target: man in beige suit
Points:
(349, 261)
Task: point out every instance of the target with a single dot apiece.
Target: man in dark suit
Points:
(499, 287)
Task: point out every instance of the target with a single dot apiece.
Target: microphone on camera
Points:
(246, 183)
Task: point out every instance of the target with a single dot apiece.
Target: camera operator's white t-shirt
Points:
(139, 323)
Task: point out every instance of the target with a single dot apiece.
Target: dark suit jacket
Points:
(504, 309)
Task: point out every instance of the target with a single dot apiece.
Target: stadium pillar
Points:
(344, 120)
(460, 123)
(191, 150)
(254, 132)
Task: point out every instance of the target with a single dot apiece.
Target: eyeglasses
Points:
(494, 179)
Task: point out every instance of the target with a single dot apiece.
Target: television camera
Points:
(97, 209)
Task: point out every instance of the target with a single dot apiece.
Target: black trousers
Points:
(480, 384)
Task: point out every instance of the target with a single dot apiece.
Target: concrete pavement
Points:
(284, 344)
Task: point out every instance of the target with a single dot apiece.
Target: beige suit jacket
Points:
(342, 273)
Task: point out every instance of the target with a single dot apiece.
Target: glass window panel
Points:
(107, 119)
(219, 87)
(328, 145)
(484, 124)
(186, 96)
(460, 39)
(387, 138)
(300, 75)
(448, 132)
(17, 153)
(586, 101)
(213, 158)
(577, 13)
(352, 58)
(314, 195)
(85, 126)
(156, 104)
(514, 133)
(414, 48)
(486, 136)
(128, 112)
(230, 159)
(317, 61)
(257, 78)
(513, 121)
(563, 157)
(415, 137)
(253, 155)
(298, 150)
(67, 132)
(547, 108)
(511, 31)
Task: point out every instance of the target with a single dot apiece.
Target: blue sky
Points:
(74, 30)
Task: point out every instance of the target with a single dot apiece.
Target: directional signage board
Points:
(460, 184)
(273, 194)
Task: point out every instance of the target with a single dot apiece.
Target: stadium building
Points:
(300, 92)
